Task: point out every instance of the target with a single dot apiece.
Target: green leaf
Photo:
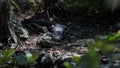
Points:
(90, 60)
(67, 65)
(115, 36)
(76, 58)
(32, 57)
(35, 56)
(109, 47)
(8, 53)
(28, 56)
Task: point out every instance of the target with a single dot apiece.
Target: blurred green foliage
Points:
(27, 58)
(10, 57)
(6, 56)
(91, 59)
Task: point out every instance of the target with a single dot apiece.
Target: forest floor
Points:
(80, 35)
(82, 32)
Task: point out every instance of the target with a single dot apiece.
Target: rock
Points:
(1, 45)
(67, 57)
(47, 61)
(104, 66)
(116, 56)
(13, 45)
(90, 41)
(118, 24)
(104, 60)
(115, 64)
(56, 59)
(56, 53)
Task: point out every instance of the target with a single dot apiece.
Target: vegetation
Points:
(92, 58)
(9, 57)
(54, 10)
